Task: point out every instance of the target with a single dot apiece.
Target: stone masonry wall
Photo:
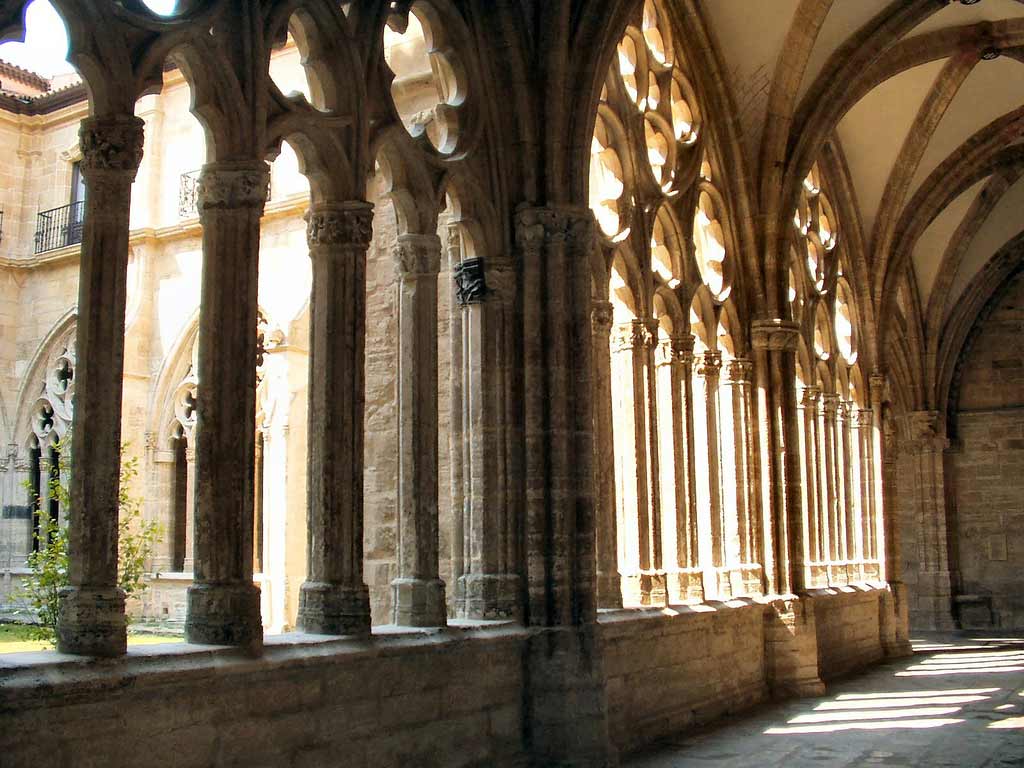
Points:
(846, 620)
(671, 671)
(988, 470)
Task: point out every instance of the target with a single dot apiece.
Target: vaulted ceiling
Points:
(929, 118)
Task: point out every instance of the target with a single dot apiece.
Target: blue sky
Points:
(45, 48)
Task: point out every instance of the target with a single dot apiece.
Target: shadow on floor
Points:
(958, 702)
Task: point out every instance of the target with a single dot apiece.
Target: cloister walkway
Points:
(959, 701)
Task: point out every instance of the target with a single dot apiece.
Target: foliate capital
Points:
(830, 404)
(863, 418)
(233, 186)
(470, 281)
(810, 397)
(418, 255)
(340, 225)
(876, 386)
(709, 364)
(112, 144)
(553, 225)
(775, 335)
(641, 334)
(739, 371)
(682, 348)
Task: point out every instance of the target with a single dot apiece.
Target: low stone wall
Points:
(848, 627)
(428, 699)
(672, 669)
(446, 699)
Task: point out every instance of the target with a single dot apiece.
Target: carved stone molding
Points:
(876, 387)
(601, 316)
(641, 334)
(709, 364)
(535, 226)
(111, 144)
(830, 405)
(233, 186)
(739, 371)
(863, 418)
(775, 335)
(470, 281)
(418, 256)
(810, 397)
(335, 225)
(682, 348)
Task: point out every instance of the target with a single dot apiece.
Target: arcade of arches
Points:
(513, 383)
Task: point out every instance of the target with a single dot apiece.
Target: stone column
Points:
(936, 582)
(566, 707)
(654, 584)
(334, 599)
(223, 602)
(189, 564)
(895, 629)
(419, 598)
(810, 398)
(846, 489)
(456, 443)
(687, 541)
(860, 488)
(738, 376)
(829, 417)
(609, 587)
(91, 619)
(709, 368)
(489, 586)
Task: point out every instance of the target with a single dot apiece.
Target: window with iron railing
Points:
(60, 227)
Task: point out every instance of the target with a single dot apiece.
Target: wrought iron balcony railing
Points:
(188, 193)
(60, 227)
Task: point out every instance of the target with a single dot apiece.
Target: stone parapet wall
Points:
(453, 697)
(848, 627)
(671, 670)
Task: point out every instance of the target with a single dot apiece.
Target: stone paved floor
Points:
(958, 702)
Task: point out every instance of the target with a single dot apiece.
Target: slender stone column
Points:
(936, 582)
(609, 587)
(489, 586)
(419, 599)
(91, 619)
(334, 599)
(687, 538)
(670, 489)
(810, 399)
(860, 485)
(709, 369)
(654, 586)
(784, 529)
(189, 563)
(846, 488)
(738, 375)
(223, 602)
(829, 423)
(456, 442)
(895, 629)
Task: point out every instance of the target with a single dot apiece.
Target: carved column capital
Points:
(739, 371)
(830, 405)
(863, 418)
(663, 353)
(471, 281)
(111, 145)
(601, 315)
(418, 256)
(775, 335)
(810, 397)
(347, 226)
(553, 225)
(709, 365)
(231, 186)
(642, 336)
(682, 348)
(926, 431)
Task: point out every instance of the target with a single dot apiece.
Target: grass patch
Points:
(17, 638)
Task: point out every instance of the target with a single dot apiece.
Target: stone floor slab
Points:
(958, 702)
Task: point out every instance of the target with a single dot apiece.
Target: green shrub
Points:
(48, 565)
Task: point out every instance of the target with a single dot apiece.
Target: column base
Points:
(334, 609)
(488, 596)
(91, 622)
(609, 590)
(225, 614)
(419, 602)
